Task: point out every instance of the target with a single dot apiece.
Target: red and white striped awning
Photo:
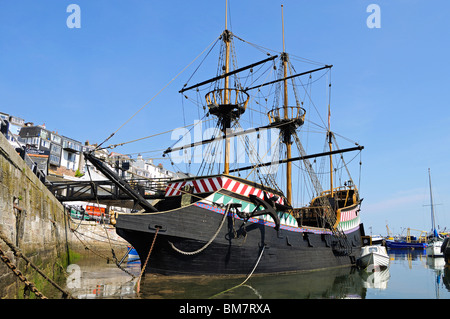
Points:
(213, 184)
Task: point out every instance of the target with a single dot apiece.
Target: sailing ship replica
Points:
(222, 224)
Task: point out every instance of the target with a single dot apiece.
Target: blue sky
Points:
(390, 84)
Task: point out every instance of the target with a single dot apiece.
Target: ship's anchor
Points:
(269, 208)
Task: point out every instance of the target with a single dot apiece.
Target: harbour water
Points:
(411, 275)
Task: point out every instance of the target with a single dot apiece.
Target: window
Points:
(71, 145)
(44, 134)
(55, 138)
(373, 249)
(55, 149)
(45, 143)
(71, 157)
(33, 141)
(54, 160)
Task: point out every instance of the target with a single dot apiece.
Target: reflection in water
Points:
(93, 278)
(436, 269)
(408, 255)
(334, 283)
(375, 279)
(446, 277)
(438, 265)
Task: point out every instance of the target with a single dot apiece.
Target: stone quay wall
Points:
(33, 220)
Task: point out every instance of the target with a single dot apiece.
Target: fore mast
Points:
(226, 103)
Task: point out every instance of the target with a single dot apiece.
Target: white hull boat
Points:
(373, 257)
(434, 249)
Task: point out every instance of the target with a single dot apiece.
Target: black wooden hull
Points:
(237, 247)
(445, 248)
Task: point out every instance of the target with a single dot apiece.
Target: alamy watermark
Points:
(74, 278)
(374, 19)
(74, 19)
(251, 146)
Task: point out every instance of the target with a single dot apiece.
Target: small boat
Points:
(132, 254)
(373, 257)
(434, 247)
(393, 244)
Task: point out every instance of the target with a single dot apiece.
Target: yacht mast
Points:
(431, 202)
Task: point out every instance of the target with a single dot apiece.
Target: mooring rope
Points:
(138, 284)
(246, 279)
(208, 243)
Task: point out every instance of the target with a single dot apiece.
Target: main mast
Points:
(227, 39)
(292, 117)
(227, 104)
(288, 141)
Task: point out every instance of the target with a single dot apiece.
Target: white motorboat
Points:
(373, 257)
(434, 248)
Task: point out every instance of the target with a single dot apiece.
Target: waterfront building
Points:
(70, 154)
(60, 156)
(12, 125)
(145, 168)
(120, 163)
(63, 153)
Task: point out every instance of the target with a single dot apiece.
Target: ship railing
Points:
(295, 113)
(339, 188)
(235, 97)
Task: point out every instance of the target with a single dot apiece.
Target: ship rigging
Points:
(324, 232)
(228, 104)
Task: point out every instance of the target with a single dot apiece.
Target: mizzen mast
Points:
(330, 145)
